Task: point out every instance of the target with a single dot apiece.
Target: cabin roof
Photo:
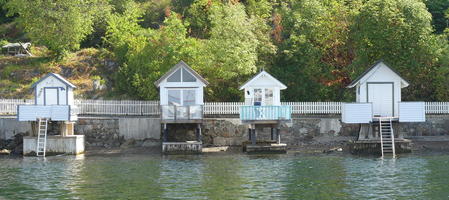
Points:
(57, 76)
(370, 71)
(261, 74)
(184, 65)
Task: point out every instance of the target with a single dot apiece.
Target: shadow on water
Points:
(225, 176)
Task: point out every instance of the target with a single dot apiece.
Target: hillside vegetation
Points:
(315, 47)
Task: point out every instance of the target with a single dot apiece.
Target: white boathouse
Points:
(54, 103)
(263, 109)
(379, 106)
(181, 101)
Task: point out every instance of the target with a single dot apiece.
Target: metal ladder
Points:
(386, 137)
(42, 137)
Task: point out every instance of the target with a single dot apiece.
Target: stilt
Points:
(272, 133)
(254, 136)
(249, 134)
(198, 133)
(278, 132)
(165, 133)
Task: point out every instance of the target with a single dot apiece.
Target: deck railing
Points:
(172, 112)
(248, 113)
(144, 108)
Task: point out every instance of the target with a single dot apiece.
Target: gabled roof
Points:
(263, 73)
(184, 65)
(370, 71)
(57, 76)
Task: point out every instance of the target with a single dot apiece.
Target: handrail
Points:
(392, 139)
(381, 139)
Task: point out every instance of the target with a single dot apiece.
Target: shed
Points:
(263, 90)
(53, 100)
(181, 86)
(53, 89)
(381, 86)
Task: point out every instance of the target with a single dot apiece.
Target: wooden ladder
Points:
(42, 137)
(386, 137)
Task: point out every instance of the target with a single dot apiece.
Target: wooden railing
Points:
(143, 108)
(254, 113)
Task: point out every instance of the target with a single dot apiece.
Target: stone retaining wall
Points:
(222, 131)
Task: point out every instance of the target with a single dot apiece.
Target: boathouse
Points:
(181, 103)
(263, 109)
(53, 104)
(379, 107)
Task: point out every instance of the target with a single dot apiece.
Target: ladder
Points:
(386, 137)
(42, 137)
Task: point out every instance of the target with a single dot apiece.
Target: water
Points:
(225, 176)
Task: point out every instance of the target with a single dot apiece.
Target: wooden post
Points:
(249, 134)
(272, 133)
(165, 133)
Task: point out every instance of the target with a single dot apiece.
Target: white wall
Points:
(383, 74)
(51, 81)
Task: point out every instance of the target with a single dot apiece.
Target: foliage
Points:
(60, 25)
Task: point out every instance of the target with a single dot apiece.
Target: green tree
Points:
(315, 49)
(400, 32)
(60, 25)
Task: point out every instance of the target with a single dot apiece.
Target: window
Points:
(268, 96)
(257, 97)
(175, 77)
(188, 97)
(174, 97)
(187, 76)
(181, 75)
(179, 97)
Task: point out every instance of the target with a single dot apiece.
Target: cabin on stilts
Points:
(379, 110)
(181, 104)
(53, 108)
(263, 109)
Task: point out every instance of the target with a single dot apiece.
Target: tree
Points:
(60, 25)
(400, 32)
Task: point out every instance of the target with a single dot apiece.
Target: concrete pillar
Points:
(67, 128)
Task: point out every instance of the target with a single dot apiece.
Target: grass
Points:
(17, 74)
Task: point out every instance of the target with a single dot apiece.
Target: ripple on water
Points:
(225, 177)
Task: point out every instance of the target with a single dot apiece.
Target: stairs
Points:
(41, 137)
(386, 137)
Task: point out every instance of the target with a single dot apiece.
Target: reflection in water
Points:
(225, 176)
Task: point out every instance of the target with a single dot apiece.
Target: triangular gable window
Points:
(181, 75)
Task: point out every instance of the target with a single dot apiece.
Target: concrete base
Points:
(265, 147)
(189, 147)
(73, 144)
(372, 147)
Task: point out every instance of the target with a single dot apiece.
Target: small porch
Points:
(265, 114)
(51, 112)
(172, 114)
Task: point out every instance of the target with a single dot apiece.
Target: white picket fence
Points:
(437, 107)
(117, 107)
(130, 107)
(314, 107)
(9, 106)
